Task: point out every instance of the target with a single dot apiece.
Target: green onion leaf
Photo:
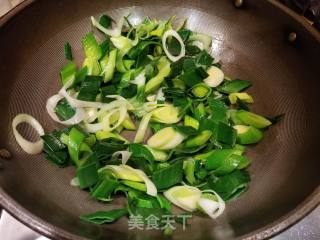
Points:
(68, 72)
(105, 21)
(230, 186)
(204, 59)
(89, 88)
(226, 134)
(194, 76)
(169, 176)
(64, 110)
(104, 217)
(234, 86)
(87, 172)
(68, 51)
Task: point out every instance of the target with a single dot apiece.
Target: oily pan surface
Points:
(251, 44)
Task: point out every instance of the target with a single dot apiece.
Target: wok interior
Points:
(251, 45)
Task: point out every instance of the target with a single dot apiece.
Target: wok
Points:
(252, 43)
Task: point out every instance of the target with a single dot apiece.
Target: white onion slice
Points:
(164, 44)
(106, 120)
(125, 156)
(91, 115)
(92, 127)
(212, 208)
(27, 146)
(52, 103)
(115, 32)
(115, 104)
(142, 128)
(105, 124)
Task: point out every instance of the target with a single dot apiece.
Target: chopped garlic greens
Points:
(191, 122)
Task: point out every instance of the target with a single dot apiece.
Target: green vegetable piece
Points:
(56, 150)
(80, 76)
(198, 140)
(204, 59)
(104, 217)
(205, 39)
(68, 72)
(87, 172)
(192, 50)
(76, 138)
(91, 47)
(92, 65)
(110, 66)
(203, 156)
(158, 155)
(178, 83)
(226, 134)
(128, 63)
(193, 77)
(201, 90)
(189, 166)
(244, 97)
(199, 112)
(217, 157)
(169, 176)
(68, 51)
(128, 123)
(140, 151)
(164, 203)
(164, 71)
(219, 110)
(224, 161)
(141, 46)
(101, 135)
(234, 86)
(184, 33)
(167, 114)
(52, 141)
(90, 140)
(231, 163)
(248, 134)
(135, 185)
(89, 88)
(190, 121)
(106, 91)
(104, 188)
(162, 137)
(64, 110)
(252, 119)
(60, 158)
(230, 186)
(105, 21)
(105, 47)
(129, 91)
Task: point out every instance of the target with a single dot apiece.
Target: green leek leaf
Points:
(169, 176)
(64, 110)
(104, 217)
(89, 88)
(234, 86)
(68, 51)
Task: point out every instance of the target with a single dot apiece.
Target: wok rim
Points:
(44, 228)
